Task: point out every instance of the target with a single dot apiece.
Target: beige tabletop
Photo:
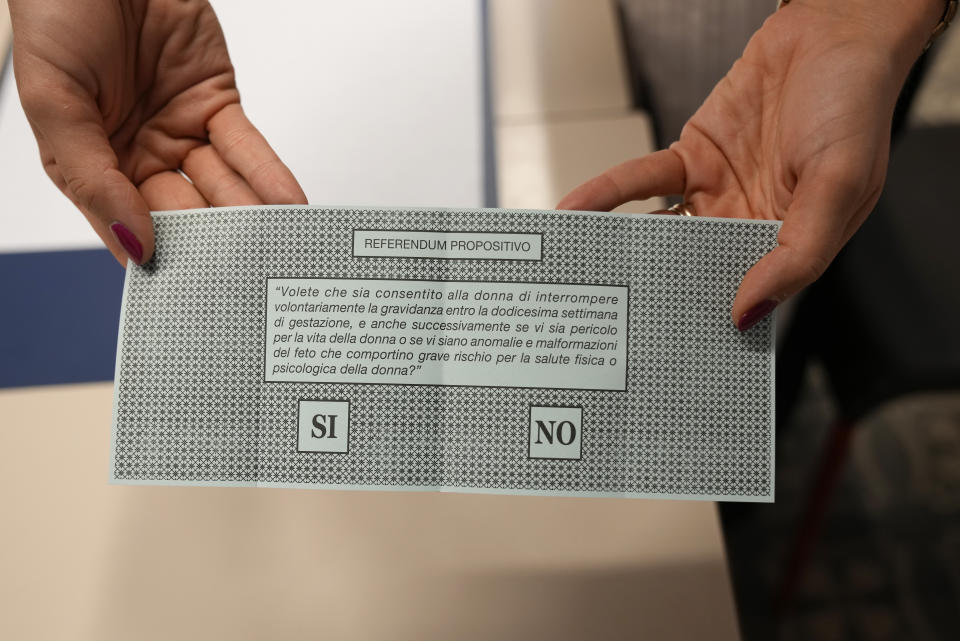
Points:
(81, 559)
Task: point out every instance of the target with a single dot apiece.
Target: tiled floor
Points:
(563, 112)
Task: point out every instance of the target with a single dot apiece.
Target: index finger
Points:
(245, 150)
(826, 210)
(658, 174)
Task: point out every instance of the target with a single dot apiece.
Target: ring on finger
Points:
(682, 209)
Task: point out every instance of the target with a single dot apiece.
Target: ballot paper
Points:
(466, 350)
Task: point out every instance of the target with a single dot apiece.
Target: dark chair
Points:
(884, 320)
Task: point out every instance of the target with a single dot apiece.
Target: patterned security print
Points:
(696, 420)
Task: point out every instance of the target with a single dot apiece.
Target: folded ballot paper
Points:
(465, 350)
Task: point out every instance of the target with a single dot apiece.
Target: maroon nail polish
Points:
(129, 241)
(756, 314)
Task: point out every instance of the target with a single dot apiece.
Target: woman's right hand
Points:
(124, 95)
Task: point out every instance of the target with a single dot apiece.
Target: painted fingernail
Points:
(756, 314)
(130, 243)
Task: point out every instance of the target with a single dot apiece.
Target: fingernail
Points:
(756, 314)
(130, 243)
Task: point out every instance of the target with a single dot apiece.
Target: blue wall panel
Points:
(59, 314)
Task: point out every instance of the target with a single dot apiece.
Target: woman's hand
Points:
(797, 131)
(122, 96)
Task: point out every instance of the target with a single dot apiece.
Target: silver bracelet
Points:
(948, 13)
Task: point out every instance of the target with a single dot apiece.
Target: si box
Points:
(323, 426)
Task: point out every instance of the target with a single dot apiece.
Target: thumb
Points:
(817, 224)
(87, 171)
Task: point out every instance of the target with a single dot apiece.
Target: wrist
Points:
(904, 27)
